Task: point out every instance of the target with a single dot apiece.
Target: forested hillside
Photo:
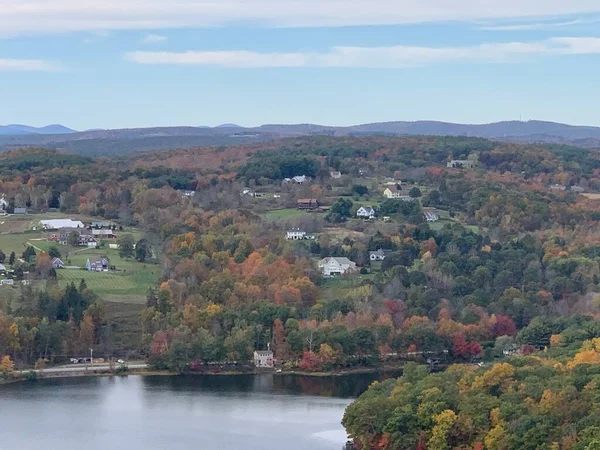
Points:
(456, 250)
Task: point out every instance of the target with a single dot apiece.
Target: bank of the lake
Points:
(250, 412)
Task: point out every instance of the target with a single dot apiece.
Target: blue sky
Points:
(130, 63)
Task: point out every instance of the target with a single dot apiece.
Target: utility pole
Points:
(92, 357)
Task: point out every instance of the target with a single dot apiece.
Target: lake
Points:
(246, 412)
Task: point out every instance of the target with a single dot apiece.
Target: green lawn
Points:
(284, 214)
(131, 277)
(437, 226)
(18, 242)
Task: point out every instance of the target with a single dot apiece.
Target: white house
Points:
(57, 263)
(461, 164)
(394, 191)
(247, 191)
(336, 175)
(57, 224)
(7, 282)
(301, 179)
(431, 216)
(379, 255)
(263, 359)
(365, 212)
(336, 266)
(295, 234)
(3, 203)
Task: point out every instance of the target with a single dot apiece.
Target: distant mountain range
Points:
(110, 142)
(20, 130)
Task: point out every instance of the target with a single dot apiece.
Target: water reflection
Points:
(264, 412)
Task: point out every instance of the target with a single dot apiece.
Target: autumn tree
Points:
(6, 365)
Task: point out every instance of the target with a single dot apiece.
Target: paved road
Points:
(83, 368)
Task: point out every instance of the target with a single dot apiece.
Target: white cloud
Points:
(47, 16)
(154, 39)
(537, 26)
(27, 65)
(375, 57)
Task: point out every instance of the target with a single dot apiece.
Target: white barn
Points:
(57, 224)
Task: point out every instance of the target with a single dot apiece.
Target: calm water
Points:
(263, 412)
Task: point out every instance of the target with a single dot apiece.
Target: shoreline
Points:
(155, 372)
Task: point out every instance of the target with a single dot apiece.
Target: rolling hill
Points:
(123, 141)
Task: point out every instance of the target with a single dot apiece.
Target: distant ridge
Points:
(123, 141)
(19, 130)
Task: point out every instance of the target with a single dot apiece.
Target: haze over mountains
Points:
(19, 130)
(107, 142)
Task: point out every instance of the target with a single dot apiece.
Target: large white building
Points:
(336, 266)
(57, 224)
(263, 359)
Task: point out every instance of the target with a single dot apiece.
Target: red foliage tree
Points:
(504, 326)
(462, 348)
(310, 362)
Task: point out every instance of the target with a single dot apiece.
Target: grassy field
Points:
(123, 317)
(17, 242)
(284, 214)
(131, 277)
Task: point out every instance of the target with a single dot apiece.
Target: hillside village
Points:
(381, 249)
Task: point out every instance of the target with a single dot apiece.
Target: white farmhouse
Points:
(336, 266)
(394, 191)
(365, 212)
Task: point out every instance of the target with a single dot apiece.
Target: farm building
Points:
(99, 225)
(58, 224)
(20, 211)
(103, 234)
(307, 203)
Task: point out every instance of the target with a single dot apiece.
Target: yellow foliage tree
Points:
(494, 377)
(496, 438)
(6, 365)
(327, 355)
(589, 354)
(555, 340)
(439, 434)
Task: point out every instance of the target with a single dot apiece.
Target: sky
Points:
(140, 63)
